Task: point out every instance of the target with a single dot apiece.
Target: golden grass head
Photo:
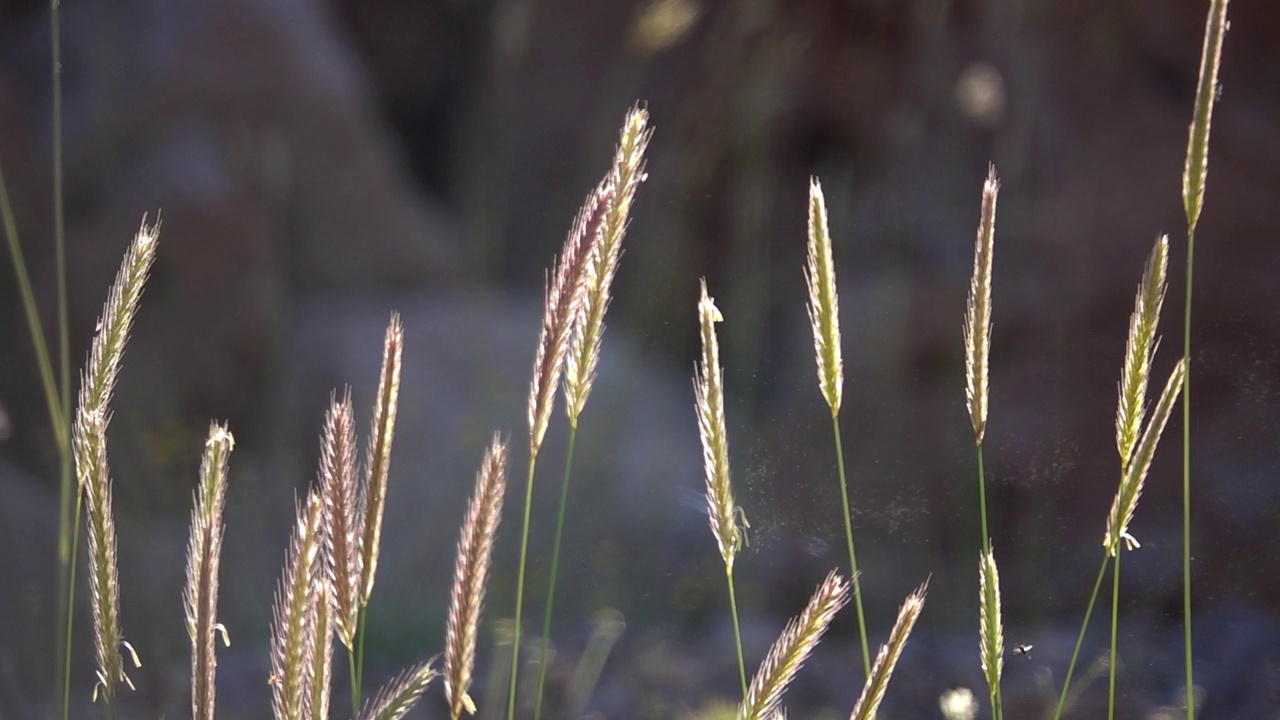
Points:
(824, 303)
(882, 669)
(990, 624)
(379, 454)
(708, 385)
(792, 648)
(1197, 165)
(470, 576)
(398, 697)
(1135, 475)
(1140, 349)
(977, 321)
(340, 493)
(564, 298)
(625, 175)
(291, 623)
(204, 552)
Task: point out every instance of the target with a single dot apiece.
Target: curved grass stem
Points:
(524, 555)
(1075, 655)
(853, 558)
(737, 632)
(555, 569)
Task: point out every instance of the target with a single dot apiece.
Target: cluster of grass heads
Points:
(331, 563)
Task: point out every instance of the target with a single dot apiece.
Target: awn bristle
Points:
(470, 574)
(291, 622)
(792, 648)
(1139, 350)
(379, 453)
(887, 658)
(1135, 475)
(1197, 166)
(990, 624)
(399, 696)
(564, 297)
(342, 517)
(977, 319)
(626, 174)
(204, 552)
(824, 303)
(708, 387)
(89, 445)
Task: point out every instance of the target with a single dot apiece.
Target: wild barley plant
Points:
(882, 670)
(93, 415)
(728, 522)
(791, 649)
(583, 355)
(470, 575)
(824, 316)
(565, 295)
(293, 624)
(977, 352)
(1193, 181)
(991, 627)
(204, 554)
(1136, 450)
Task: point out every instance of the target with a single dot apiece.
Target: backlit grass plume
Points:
(882, 670)
(378, 464)
(338, 490)
(89, 441)
(824, 316)
(792, 648)
(991, 628)
(1140, 349)
(977, 319)
(292, 625)
(395, 700)
(824, 304)
(727, 519)
(1197, 165)
(470, 575)
(204, 552)
(626, 174)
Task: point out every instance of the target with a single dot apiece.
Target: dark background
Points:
(319, 164)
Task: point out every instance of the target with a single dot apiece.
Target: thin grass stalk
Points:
(881, 672)
(564, 298)
(204, 553)
(554, 575)
(93, 415)
(792, 648)
(398, 697)
(991, 629)
(824, 317)
(1115, 624)
(470, 577)
(291, 624)
(726, 518)
(1193, 182)
(1084, 626)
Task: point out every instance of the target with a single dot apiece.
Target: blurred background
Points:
(318, 165)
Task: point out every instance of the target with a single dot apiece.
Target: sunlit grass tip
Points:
(1197, 165)
(824, 303)
(470, 575)
(882, 670)
(204, 553)
(792, 648)
(399, 696)
(990, 623)
(725, 517)
(290, 620)
(378, 464)
(339, 490)
(1140, 349)
(977, 321)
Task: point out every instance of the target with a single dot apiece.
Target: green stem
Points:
(555, 569)
(355, 683)
(524, 554)
(997, 705)
(982, 500)
(1186, 481)
(1115, 621)
(853, 558)
(737, 633)
(1097, 585)
(358, 681)
(71, 612)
